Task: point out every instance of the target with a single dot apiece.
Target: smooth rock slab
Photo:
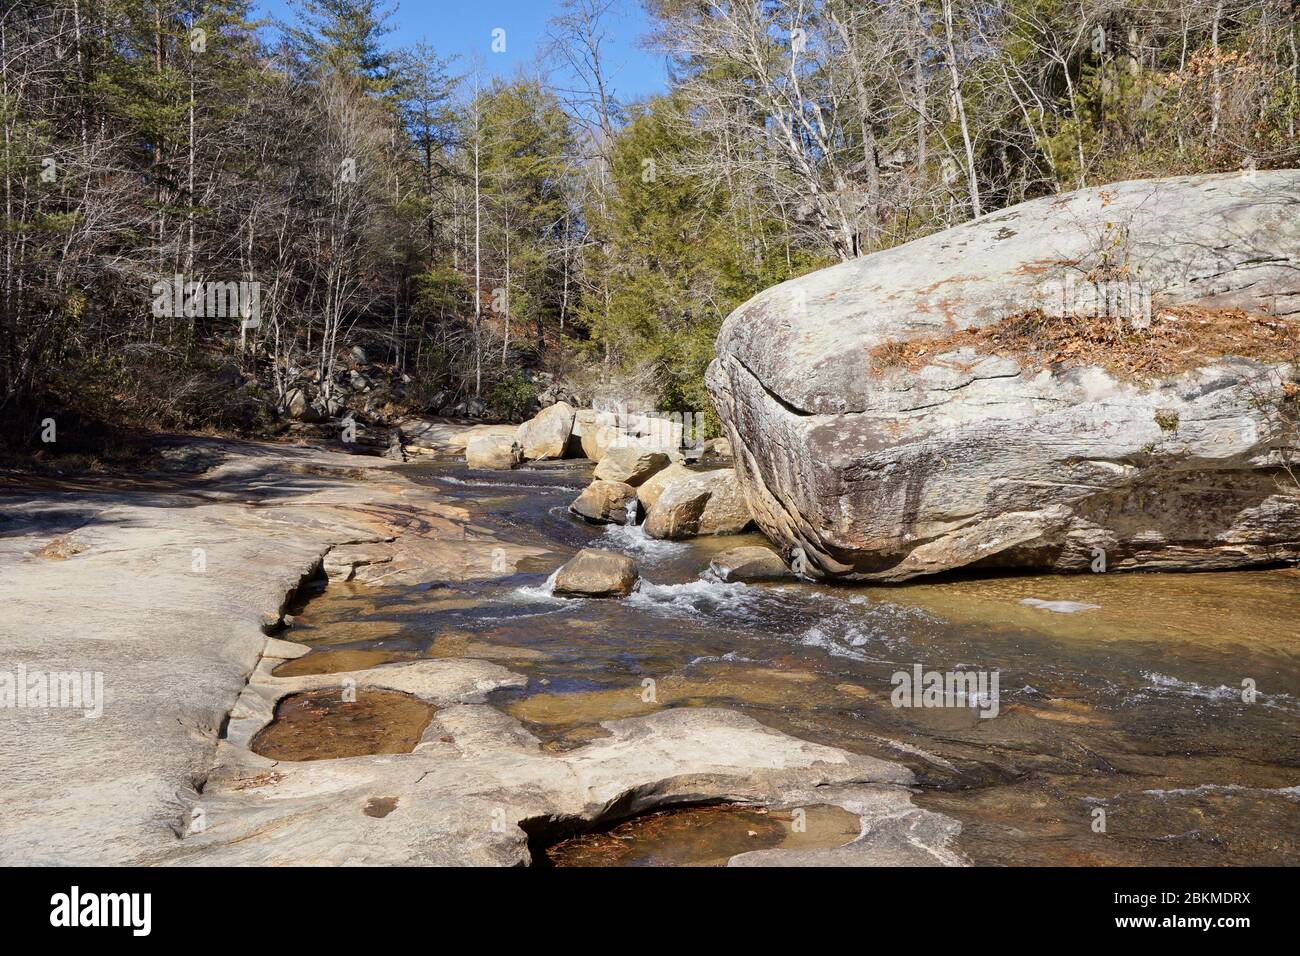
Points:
(478, 781)
(342, 562)
(176, 646)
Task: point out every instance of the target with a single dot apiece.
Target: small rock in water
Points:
(1060, 607)
(754, 563)
(596, 573)
(605, 502)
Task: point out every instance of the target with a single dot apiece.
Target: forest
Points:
(490, 241)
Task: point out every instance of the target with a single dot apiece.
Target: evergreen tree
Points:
(346, 37)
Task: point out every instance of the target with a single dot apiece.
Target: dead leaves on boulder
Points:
(1178, 338)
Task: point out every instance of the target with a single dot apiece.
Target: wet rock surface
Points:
(335, 722)
(752, 563)
(707, 836)
(478, 783)
(175, 581)
(553, 713)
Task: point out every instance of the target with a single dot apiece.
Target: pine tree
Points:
(346, 37)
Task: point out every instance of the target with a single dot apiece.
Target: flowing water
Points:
(1125, 728)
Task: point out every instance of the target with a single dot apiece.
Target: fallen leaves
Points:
(1177, 339)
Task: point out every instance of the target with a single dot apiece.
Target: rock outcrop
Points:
(474, 763)
(975, 457)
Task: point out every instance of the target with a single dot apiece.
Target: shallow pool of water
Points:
(331, 722)
(705, 836)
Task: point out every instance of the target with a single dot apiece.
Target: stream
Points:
(1121, 735)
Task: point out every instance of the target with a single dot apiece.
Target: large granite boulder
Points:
(699, 503)
(648, 491)
(495, 452)
(597, 433)
(546, 434)
(630, 464)
(860, 461)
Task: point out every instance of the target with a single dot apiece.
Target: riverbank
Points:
(170, 586)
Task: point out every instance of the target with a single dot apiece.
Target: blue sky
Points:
(465, 27)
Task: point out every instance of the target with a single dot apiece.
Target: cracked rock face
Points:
(886, 473)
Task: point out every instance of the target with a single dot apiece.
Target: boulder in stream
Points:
(630, 463)
(604, 502)
(546, 435)
(1092, 381)
(596, 573)
(749, 563)
(649, 491)
(708, 502)
(496, 452)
